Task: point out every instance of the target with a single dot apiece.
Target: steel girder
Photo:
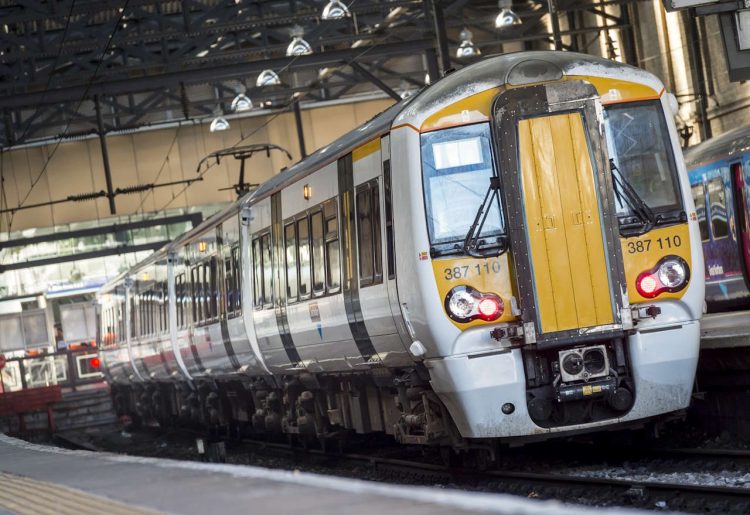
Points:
(187, 59)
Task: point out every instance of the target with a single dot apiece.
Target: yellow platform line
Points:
(22, 496)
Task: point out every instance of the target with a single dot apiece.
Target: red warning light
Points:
(95, 363)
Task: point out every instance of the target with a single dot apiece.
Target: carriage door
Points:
(563, 232)
(740, 192)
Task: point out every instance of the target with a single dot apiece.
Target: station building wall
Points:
(158, 156)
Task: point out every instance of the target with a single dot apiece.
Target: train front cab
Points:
(561, 309)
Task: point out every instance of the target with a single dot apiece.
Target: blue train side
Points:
(719, 171)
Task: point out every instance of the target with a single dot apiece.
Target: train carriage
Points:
(719, 171)
(506, 254)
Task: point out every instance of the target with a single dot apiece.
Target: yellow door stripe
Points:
(24, 496)
(565, 236)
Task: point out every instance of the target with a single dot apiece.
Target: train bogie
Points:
(507, 254)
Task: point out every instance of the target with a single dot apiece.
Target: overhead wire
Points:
(84, 96)
(161, 168)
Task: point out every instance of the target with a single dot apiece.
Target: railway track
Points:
(557, 485)
(553, 483)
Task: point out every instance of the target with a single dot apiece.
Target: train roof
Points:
(725, 146)
(516, 69)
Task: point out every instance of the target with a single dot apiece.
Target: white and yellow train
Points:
(507, 254)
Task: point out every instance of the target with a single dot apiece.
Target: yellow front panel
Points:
(488, 275)
(641, 253)
(564, 230)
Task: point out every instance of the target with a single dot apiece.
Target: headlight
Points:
(671, 274)
(464, 304)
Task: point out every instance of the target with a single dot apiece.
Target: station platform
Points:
(725, 330)
(36, 479)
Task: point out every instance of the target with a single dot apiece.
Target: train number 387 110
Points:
(666, 243)
(466, 271)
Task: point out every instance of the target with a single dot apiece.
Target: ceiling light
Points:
(268, 78)
(467, 48)
(298, 46)
(241, 103)
(507, 18)
(335, 10)
(406, 90)
(219, 124)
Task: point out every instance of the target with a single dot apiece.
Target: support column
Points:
(695, 56)
(105, 156)
(300, 130)
(629, 51)
(441, 37)
(555, 22)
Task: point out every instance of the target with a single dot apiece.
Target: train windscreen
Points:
(457, 166)
(639, 144)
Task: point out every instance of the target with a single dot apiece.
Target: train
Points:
(507, 255)
(719, 172)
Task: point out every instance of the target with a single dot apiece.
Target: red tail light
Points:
(490, 308)
(647, 285)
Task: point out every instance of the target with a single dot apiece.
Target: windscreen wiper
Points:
(472, 241)
(627, 195)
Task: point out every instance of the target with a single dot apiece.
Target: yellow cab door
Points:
(557, 190)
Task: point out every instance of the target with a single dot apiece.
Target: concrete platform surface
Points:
(725, 330)
(41, 479)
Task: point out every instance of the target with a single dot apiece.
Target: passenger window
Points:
(205, 293)
(160, 304)
(699, 198)
(290, 242)
(195, 283)
(718, 207)
(391, 254)
(179, 299)
(214, 285)
(303, 236)
(150, 306)
(376, 240)
(257, 274)
(267, 269)
(200, 295)
(364, 236)
(133, 328)
(237, 276)
(368, 234)
(333, 264)
(150, 312)
(229, 284)
(165, 306)
(318, 245)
